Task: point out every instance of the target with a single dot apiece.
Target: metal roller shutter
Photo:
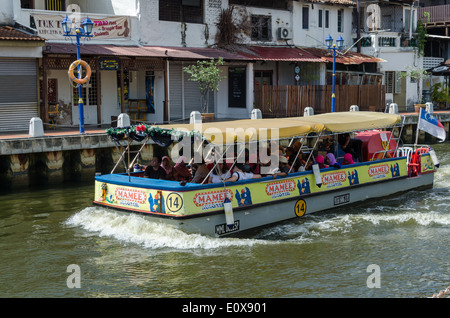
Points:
(18, 94)
(184, 92)
(175, 87)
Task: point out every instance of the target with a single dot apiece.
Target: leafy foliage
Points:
(119, 133)
(207, 75)
(421, 37)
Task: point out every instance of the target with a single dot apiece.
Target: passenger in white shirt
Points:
(238, 174)
(219, 173)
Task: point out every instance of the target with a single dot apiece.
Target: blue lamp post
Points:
(332, 47)
(85, 31)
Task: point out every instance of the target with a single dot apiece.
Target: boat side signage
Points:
(378, 171)
(334, 179)
(241, 195)
(280, 188)
(130, 196)
(142, 200)
(212, 199)
(427, 164)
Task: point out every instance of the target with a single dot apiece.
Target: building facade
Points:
(435, 15)
(388, 31)
(140, 48)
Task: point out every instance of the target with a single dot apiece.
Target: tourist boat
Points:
(233, 207)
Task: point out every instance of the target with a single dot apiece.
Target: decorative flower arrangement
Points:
(141, 131)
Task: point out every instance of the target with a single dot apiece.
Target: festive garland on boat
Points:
(141, 131)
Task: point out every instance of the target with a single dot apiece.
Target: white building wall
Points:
(169, 33)
(315, 36)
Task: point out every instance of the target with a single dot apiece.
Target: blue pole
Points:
(80, 89)
(333, 96)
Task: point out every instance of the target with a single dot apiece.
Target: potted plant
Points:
(207, 75)
(440, 95)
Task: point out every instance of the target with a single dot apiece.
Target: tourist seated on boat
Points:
(305, 164)
(264, 166)
(238, 174)
(244, 156)
(181, 171)
(297, 146)
(168, 168)
(253, 163)
(154, 170)
(283, 168)
(330, 160)
(199, 172)
(219, 173)
(320, 160)
(352, 146)
(275, 148)
(326, 144)
(348, 159)
(291, 156)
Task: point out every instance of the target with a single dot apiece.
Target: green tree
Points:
(207, 75)
(417, 75)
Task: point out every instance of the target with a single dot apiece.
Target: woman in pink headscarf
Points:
(348, 159)
(181, 171)
(165, 164)
(320, 160)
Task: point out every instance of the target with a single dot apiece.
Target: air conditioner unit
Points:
(284, 34)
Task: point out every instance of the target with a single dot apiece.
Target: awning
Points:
(339, 122)
(143, 51)
(244, 53)
(278, 53)
(338, 2)
(226, 132)
(8, 33)
(349, 58)
(442, 69)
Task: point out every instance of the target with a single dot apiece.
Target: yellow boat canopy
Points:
(352, 121)
(245, 130)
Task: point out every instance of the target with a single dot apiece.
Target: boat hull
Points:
(200, 209)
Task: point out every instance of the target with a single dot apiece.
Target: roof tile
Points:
(9, 33)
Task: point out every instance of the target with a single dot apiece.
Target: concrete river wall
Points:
(55, 159)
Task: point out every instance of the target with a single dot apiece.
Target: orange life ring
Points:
(83, 64)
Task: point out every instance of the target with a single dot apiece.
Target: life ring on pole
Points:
(80, 80)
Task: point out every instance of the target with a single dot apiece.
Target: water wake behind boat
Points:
(132, 228)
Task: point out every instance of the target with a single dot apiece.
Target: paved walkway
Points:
(88, 131)
(52, 133)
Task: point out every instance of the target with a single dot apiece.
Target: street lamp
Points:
(332, 47)
(84, 31)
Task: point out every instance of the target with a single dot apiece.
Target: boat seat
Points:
(405, 152)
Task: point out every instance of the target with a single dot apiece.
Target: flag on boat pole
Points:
(431, 125)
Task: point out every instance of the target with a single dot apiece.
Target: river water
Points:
(55, 243)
